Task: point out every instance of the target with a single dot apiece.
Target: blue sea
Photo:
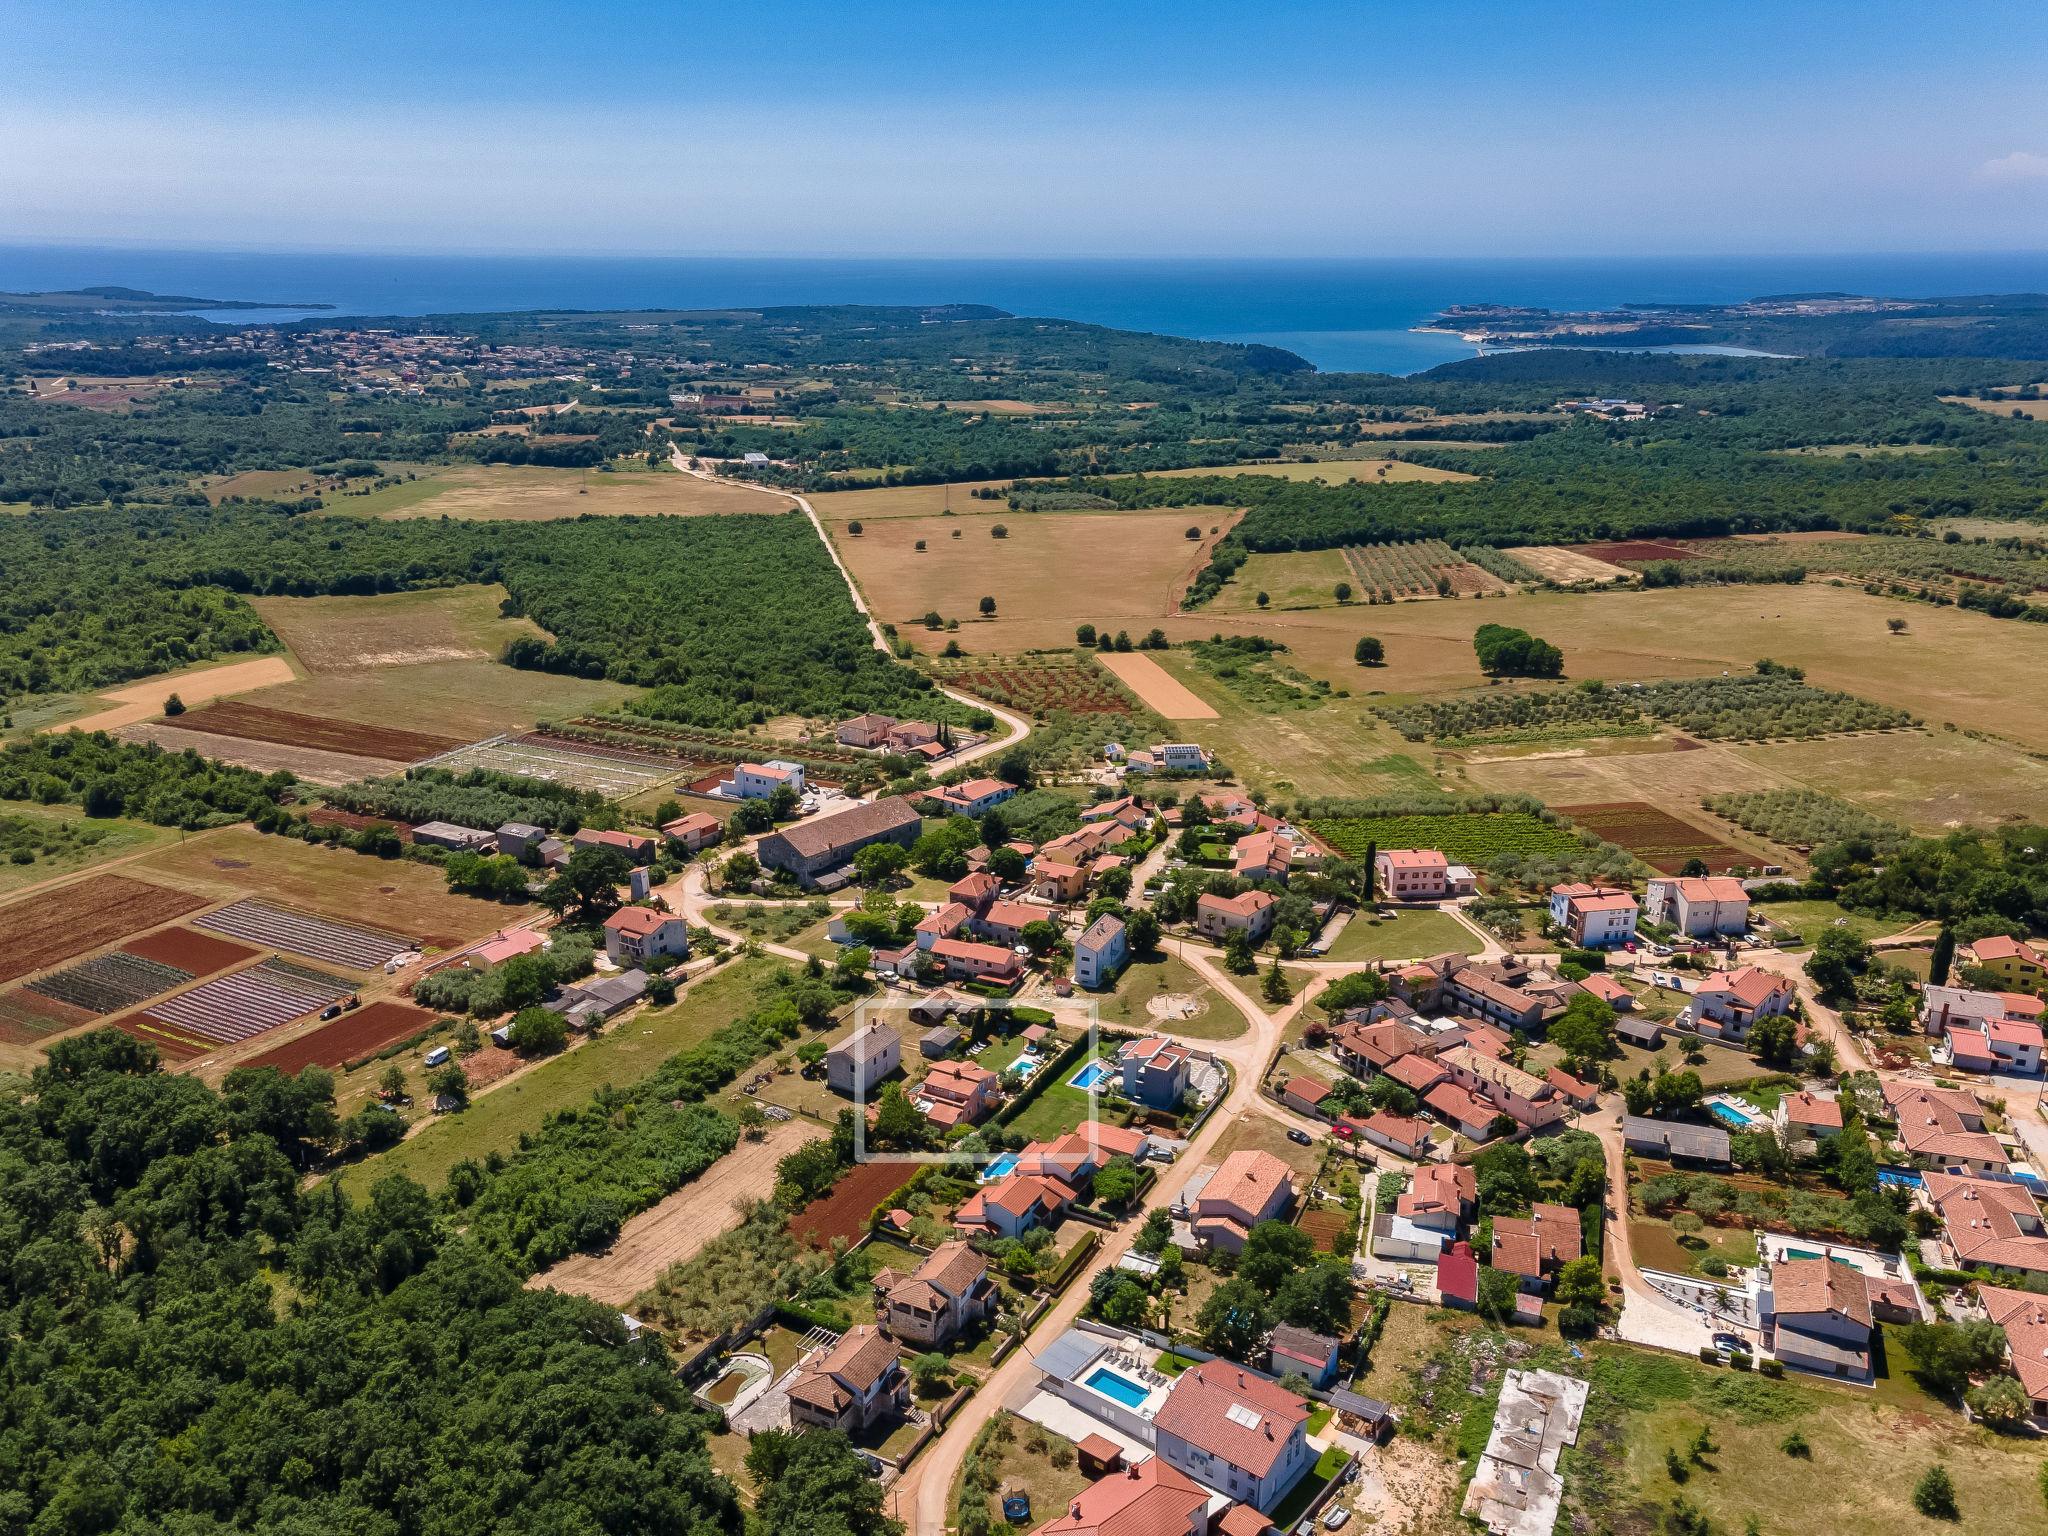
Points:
(1341, 314)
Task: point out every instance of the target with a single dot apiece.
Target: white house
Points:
(1728, 1003)
(1699, 908)
(1593, 916)
(758, 781)
(1099, 952)
(856, 1064)
(634, 935)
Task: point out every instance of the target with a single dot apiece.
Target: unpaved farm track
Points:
(676, 1228)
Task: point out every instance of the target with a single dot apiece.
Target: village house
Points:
(503, 945)
(1427, 1215)
(637, 849)
(1262, 856)
(1403, 1135)
(975, 891)
(1100, 951)
(1304, 1352)
(1593, 916)
(1576, 1092)
(1014, 1204)
(1983, 1031)
(1235, 1431)
(812, 851)
(945, 1296)
(1004, 922)
(698, 830)
(851, 1385)
(1368, 1046)
(1147, 1498)
(2019, 966)
(446, 834)
(865, 731)
(516, 838)
(1988, 1224)
(1247, 1188)
(759, 781)
(1816, 1317)
(957, 1093)
(862, 1060)
(1155, 1071)
(975, 796)
(1462, 1110)
(1508, 1089)
(1535, 1247)
(1943, 1128)
(1699, 907)
(1055, 882)
(1677, 1141)
(2024, 1317)
(635, 935)
(912, 736)
(1609, 991)
(1305, 1095)
(965, 960)
(1727, 1004)
(1411, 874)
(1806, 1116)
(1218, 917)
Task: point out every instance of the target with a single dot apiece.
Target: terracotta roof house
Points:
(1945, 1129)
(1262, 856)
(814, 848)
(1536, 1246)
(1989, 1224)
(1003, 922)
(965, 960)
(941, 923)
(1150, 1498)
(697, 830)
(1233, 1430)
(1312, 1354)
(957, 1093)
(2024, 1317)
(1247, 1188)
(1411, 874)
(633, 935)
(1014, 1204)
(1462, 1110)
(948, 1293)
(1457, 1276)
(1727, 1004)
(1440, 1196)
(975, 891)
(1417, 1071)
(1368, 1047)
(850, 1385)
(640, 850)
(1403, 1134)
(1609, 991)
(1574, 1091)
(1698, 908)
(2016, 963)
(1304, 1094)
(1807, 1116)
(1817, 1317)
(1217, 917)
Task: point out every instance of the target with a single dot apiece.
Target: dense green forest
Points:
(193, 1343)
(728, 620)
(146, 783)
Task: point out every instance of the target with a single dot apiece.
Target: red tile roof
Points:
(1149, 1499)
(1198, 1410)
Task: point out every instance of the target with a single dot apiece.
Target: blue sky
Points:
(869, 127)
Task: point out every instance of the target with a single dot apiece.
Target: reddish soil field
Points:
(349, 1038)
(1635, 549)
(39, 931)
(485, 1066)
(175, 1047)
(199, 953)
(252, 722)
(1656, 837)
(26, 1017)
(844, 1212)
(1324, 1228)
(326, 817)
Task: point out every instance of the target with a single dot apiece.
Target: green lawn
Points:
(1313, 1481)
(111, 838)
(1404, 936)
(1053, 1113)
(1215, 1016)
(1810, 919)
(624, 1053)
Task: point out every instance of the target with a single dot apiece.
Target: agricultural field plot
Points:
(1298, 579)
(317, 938)
(1656, 837)
(1373, 471)
(842, 1212)
(1469, 837)
(612, 774)
(196, 954)
(62, 840)
(1803, 818)
(307, 763)
(1040, 685)
(2030, 410)
(538, 493)
(837, 508)
(1422, 568)
(51, 926)
(254, 722)
(133, 703)
(110, 983)
(1632, 549)
(1050, 572)
(461, 699)
(1916, 565)
(396, 629)
(1554, 562)
(244, 1004)
(1160, 691)
(1735, 708)
(26, 1018)
(347, 1039)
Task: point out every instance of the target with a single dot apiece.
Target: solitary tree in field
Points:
(1369, 652)
(174, 705)
(1262, 599)
(1000, 531)
(1194, 533)
(1896, 626)
(1084, 634)
(920, 546)
(854, 530)
(988, 607)
(1343, 591)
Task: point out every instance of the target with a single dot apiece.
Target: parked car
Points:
(1300, 1138)
(437, 1055)
(1731, 1344)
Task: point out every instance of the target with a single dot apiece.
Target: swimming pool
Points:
(1024, 1065)
(1003, 1165)
(1905, 1178)
(1808, 1253)
(1729, 1115)
(1120, 1388)
(1089, 1075)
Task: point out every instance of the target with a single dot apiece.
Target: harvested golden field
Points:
(536, 493)
(1159, 690)
(1332, 471)
(451, 698)
(838, 507)
(134, 702)
(2032, 410)
(398, 629)
(1568, 565)
(1053, 570)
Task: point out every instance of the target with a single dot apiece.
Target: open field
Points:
(1404, 936)
(1557, 563)
(1298, 579)
(452, 698)
(347, 1038)
(307, 763)
(1167, 994)
(1054, 570)
(110, 838)
(134, 702)
(28, 1017)
(537, 493)
(348, 634)
(1039, 684)
(837, 507)
(1158, 689)
(623, 1053)
(675, 1228)
(841, 1214)
(2032, 410)
(1309, 578)
(46, 928)
(1331, 471)
(253, 722)
(1655, 836)
(393, 894)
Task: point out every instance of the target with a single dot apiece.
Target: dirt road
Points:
(679, 1226)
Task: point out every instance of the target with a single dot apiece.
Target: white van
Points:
(437, 1055)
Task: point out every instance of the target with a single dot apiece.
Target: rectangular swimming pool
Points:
(1005, 1164)
(1114, 1385)
(1730, 1116)
(1024, 1065)
(1089, 1075)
